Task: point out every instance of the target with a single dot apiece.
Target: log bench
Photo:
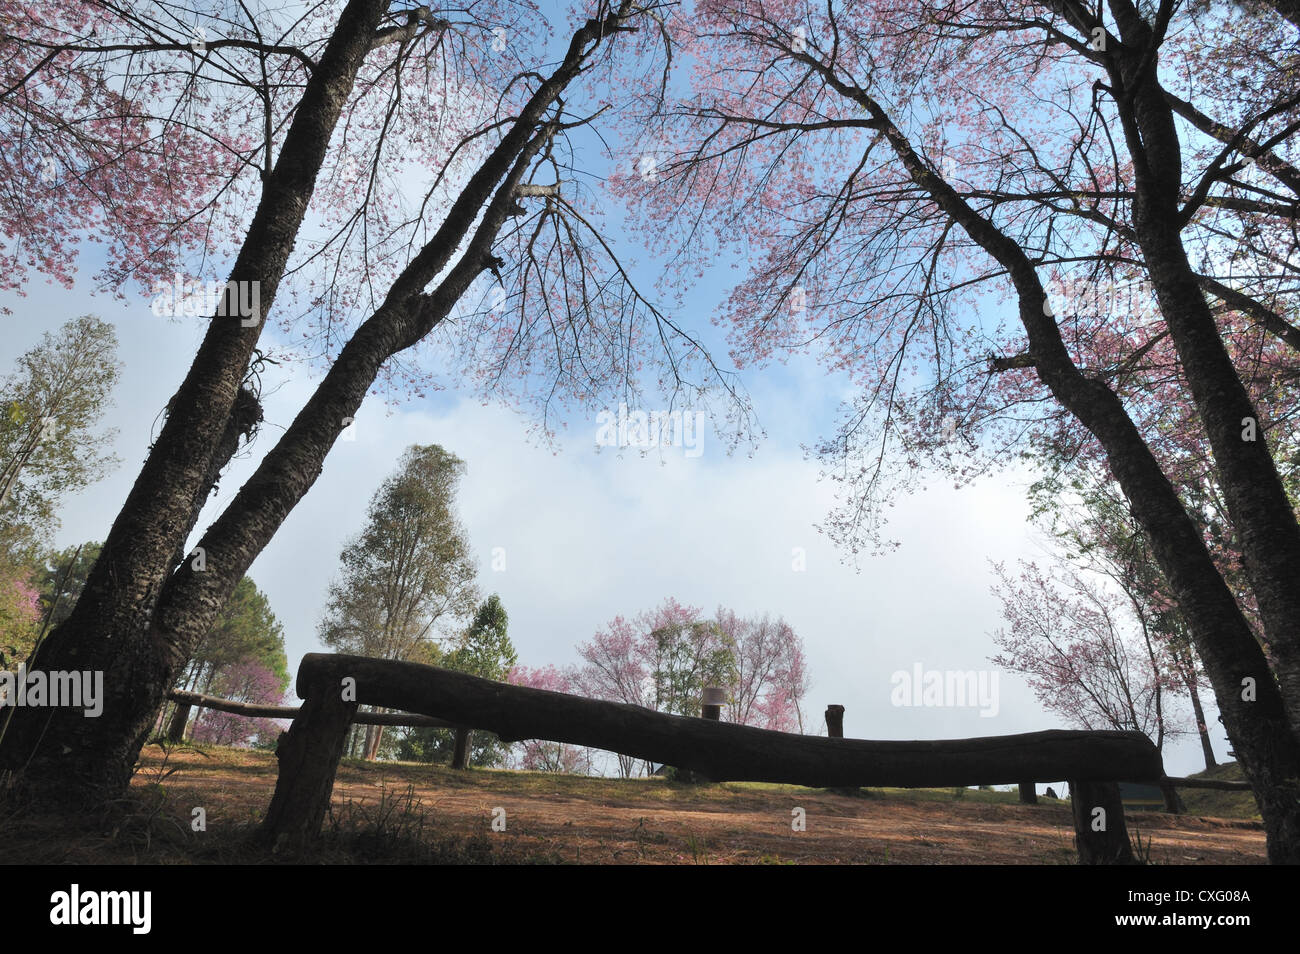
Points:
(332, 686)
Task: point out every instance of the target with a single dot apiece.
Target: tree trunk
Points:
(460, 755)
(1028, 793)
(176, 729)
(1253, 708)
(1257, 503)
(148, 649)
(1202, 729)
(377, 736)
(67, 759)
(1173, 804)
(835, 722)
(308, 755)
(1100, 832)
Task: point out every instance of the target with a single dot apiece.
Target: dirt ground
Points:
(605, 821)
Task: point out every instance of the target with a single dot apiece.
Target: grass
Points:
(393, 813)
(506, 782)
(1200, 801)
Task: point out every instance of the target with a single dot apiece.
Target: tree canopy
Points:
(49, 408)
(1019, 224)
(407, 579)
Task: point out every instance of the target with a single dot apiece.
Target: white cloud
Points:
(589, 535)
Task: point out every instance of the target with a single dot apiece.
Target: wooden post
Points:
(1173, 804)
(711, 704)
(309, 756)
(1028, 793)
(1100, 833)
(835, 722)
(460, 755)
(176, 728)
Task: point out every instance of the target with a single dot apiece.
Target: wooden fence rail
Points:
(332, 686)
(185, 701)
(1218, 784)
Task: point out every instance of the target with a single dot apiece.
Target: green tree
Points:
(483, 650)
(685, 657)
(49, 407)
(408, 578)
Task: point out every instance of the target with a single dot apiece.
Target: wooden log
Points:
(405, 719)
(309, 756)
(176, 728)
(460, 755)
(1028, 793)
(1100, 833)
(1218, 784)
(835, 722)
(725, 752)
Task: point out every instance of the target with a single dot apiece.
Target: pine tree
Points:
(484, 650)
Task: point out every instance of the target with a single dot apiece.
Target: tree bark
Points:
(308, 755)
(176, 729)
(1202, 729)
(1100, 833)
(377, 736)
(65, 758)
(835, 722)
(1028, 793)
(1173, 804)
(1258, 505)
(724, 751)
(460, 754)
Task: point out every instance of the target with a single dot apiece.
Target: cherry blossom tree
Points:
(664, 658)
(19, 615)
(1095, 533)
(250, 682)
(1086, 653)
(912, 183)
(770, 672)
(479, 109)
